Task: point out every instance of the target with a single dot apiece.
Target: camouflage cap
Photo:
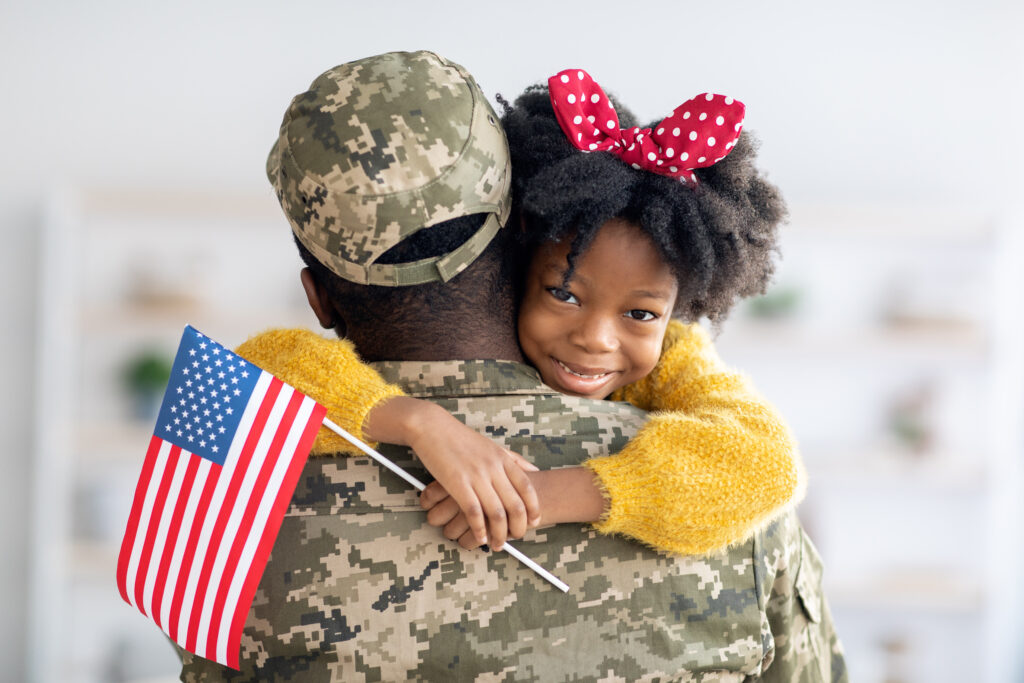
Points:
(383, 147)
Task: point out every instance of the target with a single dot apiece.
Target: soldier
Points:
(358, 586)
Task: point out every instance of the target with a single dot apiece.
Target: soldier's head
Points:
(393, 172)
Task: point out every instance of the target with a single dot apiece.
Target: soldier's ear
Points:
(320, 302)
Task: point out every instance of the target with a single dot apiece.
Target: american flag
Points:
(228, 448)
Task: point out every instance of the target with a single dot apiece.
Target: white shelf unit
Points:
(125, 271)
(900, 367)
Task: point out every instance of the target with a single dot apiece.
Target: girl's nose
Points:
(596, 334)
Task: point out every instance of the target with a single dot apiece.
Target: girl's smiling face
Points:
(604, 329)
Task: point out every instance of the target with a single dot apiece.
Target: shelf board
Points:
(135, 320)
(910, 591)
(783, 336)
(879, 467)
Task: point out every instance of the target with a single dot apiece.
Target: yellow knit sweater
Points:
(712, 464)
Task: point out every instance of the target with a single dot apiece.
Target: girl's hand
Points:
(487, 482)
(443, 511)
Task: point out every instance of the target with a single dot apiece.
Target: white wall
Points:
(870, 101)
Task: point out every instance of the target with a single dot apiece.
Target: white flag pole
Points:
(544, 573)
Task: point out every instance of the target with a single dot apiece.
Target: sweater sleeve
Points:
(327, 370)
(710, 466)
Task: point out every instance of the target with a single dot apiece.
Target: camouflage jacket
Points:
(360, 588)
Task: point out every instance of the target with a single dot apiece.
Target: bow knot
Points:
(697, 134)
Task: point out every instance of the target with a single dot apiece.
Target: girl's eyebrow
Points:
(648, 294)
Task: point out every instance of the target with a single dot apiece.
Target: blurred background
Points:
(133, 201)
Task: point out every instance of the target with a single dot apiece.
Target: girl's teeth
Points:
(579, 374)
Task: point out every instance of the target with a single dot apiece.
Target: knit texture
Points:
(711, 465)
(328, 371)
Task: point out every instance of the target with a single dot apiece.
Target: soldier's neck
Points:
(436, 344)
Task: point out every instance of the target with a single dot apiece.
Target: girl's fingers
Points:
(527, 494)
(513, 503)
(444, 512)
(468, 541)
(457, 529)
(473, 507)
(433, 494)
(497, 520)
(522, 462)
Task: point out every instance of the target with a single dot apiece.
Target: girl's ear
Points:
(319, 301)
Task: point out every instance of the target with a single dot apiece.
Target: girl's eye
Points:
(563, 295)
(640, 314)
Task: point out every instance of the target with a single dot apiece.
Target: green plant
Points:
(147, 373)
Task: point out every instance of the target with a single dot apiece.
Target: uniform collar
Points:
(456, 378)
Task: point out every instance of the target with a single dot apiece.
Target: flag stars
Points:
(188, 383)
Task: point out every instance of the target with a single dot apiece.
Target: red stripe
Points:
(128, 542)
(274, 521)
(259, 491)
(154, 522)
(172, 535)
(190, 549)
(252, 438)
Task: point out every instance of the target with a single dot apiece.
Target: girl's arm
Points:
(488, 481)
(713, 463)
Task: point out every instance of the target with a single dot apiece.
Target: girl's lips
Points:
(584, 381)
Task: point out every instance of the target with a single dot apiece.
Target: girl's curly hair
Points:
(720, 237)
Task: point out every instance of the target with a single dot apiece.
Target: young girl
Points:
(624, 228)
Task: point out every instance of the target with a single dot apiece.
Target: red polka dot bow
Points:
(699, 133)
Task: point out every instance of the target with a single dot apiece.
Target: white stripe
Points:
(284, 460)
(248, 417)
(144, 516)
(235, 519)
(161, 533)
(202, 472)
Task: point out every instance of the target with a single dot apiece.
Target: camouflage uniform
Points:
(359, 588)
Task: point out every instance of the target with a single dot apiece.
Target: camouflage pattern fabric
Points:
(381, 148)
(359, 588)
